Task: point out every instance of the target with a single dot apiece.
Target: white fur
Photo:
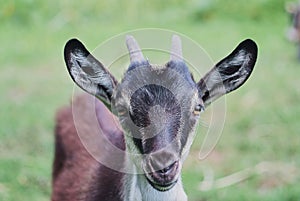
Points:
(137, 187)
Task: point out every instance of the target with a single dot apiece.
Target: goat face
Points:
(158, 107)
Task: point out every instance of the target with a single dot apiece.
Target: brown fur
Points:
(77, 175)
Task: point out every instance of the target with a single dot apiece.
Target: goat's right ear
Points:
(87, 72)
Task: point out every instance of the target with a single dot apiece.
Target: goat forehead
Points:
(174, 75)
(177, 66)
(153, 103)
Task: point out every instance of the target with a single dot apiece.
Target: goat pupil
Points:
(198, 108)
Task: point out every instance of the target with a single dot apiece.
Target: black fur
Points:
(141, 102)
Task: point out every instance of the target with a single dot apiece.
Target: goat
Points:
(129, 143)
(293, 32)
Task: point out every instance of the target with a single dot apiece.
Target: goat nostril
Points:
(168, 169)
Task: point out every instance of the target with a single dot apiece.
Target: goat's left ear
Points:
(230, 73)
(87, 72)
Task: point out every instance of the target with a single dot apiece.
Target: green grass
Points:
(262, 117)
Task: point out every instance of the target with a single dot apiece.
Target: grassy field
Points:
(262, 117)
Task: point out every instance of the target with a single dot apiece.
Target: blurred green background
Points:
(262, 122)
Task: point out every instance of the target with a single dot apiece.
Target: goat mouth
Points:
(164, 179)
(161, 187)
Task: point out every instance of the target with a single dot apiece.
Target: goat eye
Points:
(198, 108)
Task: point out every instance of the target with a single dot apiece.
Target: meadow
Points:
(261, 132)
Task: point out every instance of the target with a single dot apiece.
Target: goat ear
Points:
(230, 73)
(87, 72)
